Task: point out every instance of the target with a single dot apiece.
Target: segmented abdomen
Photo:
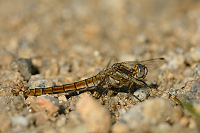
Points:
(76, 86)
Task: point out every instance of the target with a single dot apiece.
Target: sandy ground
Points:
(47, 43)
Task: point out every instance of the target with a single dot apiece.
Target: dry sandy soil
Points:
(48, 43)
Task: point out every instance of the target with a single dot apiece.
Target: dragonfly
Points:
(119, 74)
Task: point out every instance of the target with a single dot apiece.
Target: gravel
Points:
(50, 43)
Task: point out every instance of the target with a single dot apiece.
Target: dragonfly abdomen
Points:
(73, 87)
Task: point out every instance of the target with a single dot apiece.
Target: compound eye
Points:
(140, 71)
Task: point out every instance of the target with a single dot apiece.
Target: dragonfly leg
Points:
(108, 82)
(129, 91)
(99, 87)
(139, 82)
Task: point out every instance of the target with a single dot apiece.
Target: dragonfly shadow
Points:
(76, 93)
(134, 88)
(71, 94)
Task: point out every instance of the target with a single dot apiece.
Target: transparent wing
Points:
(106, 68)
(157, 62)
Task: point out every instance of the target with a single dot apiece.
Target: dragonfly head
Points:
(141, 71)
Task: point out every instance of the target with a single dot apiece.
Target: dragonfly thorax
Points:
(141, 71)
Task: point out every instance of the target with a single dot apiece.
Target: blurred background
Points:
(76, 35)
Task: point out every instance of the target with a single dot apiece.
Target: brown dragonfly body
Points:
(116, 75)
(76, 86)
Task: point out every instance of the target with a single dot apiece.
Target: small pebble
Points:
(184, 121)
(176, 115)
(194, 91)
(150, 113)
(74, 119)
(40, 118)
(24, 66)
(35, 83)
(122, 111)
(192, 124)
(120, 128)
(187, 72)
(45, 103)
(94, 115)
(37, 62)
(170, 76)
(173, 91)
(20, 120)
(157, 110)
(196, 72)
(61, 121)
(62, 99)
(142, 93)
(18, 102)
(163, 127)
(133, 118)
